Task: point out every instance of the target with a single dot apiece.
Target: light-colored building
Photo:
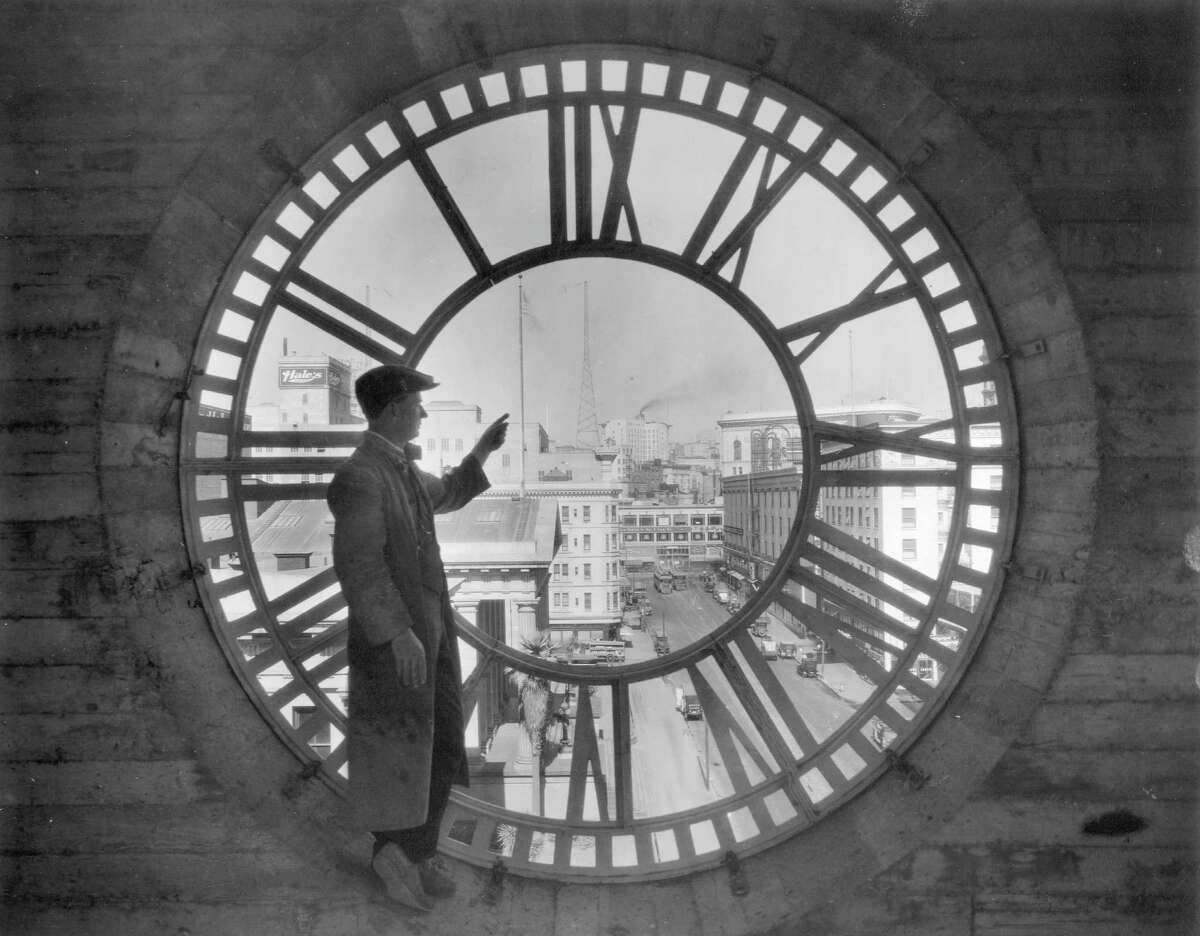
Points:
(313, 388)
(644, 439)
(761, 458)
(585, 581)
(760, 441)
(452, 428)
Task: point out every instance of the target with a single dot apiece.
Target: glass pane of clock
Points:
(391, 250)
(759, 476)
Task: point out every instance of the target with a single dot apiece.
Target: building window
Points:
(908, 549)
(587, 571)
(587, 514)
(566, 514)
(908, 518)
(587, 601)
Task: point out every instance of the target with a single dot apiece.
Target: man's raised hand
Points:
(492, 438)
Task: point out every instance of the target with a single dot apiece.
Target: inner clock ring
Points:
(736, 304)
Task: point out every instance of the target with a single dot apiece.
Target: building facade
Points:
(904, 522)
(645, 440)
(678, 535)
(311, 389)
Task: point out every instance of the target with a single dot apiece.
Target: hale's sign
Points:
(310, 376)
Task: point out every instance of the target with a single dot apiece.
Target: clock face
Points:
(625, 249)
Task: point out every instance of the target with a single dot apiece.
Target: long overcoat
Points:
(387, 560)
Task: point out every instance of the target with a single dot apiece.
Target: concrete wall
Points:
(140, 791)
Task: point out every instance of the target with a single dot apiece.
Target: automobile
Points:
(721, 594)
(661, 645)
(806, 665)
(609, 651)
(759, 628)
(787, 651)
(691, 707)
(770, 650)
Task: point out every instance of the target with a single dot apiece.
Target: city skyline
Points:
(685, 368)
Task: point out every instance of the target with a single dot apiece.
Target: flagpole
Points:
(521, 363)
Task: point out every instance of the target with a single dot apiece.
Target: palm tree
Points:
(534, 698)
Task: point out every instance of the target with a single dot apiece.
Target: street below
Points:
(679, 763)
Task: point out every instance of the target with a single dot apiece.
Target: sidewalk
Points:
(844, 680)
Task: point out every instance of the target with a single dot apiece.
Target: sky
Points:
(659, 344)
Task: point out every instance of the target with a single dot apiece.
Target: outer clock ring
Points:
(196, 423)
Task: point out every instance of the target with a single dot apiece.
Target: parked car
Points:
(770, 650)
(691, 707)
(807, 665)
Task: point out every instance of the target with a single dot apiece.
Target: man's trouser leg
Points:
(420, 842)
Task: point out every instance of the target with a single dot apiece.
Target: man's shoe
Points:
(400, 878)
(434, 879)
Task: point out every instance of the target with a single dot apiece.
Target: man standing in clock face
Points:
(405, 720)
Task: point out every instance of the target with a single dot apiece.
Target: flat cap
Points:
(377, 387)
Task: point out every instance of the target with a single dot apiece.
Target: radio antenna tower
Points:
(587, 432)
